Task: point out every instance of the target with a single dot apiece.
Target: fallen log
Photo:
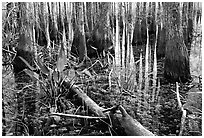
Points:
(132, 126)
(83, 98)
(122, 124)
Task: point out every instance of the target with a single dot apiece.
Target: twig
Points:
(113, 109)
(109, 78)
(178, 97)
(95, 63)
(183, 111)
(8, 51)
(182, 122)
(176, 94)
(77, 116)
(128, 93)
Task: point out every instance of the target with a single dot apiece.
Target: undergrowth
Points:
(162, 117)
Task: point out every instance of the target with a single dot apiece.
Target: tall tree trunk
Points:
(155, 58)
(25, 96)
(117, 42)
(176, 59)
(81, 32)
(130, 57)
(70, 28)
(187, 22)
(161, 44)
(147, 52)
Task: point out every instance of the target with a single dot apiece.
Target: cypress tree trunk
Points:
(176, 68)
(25, 95)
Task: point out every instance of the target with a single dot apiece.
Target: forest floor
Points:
(162, 117)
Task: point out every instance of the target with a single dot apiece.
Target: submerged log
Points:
(122, 123)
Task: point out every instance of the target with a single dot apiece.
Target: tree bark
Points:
(176, 68)
(123, 124)
(25, 96)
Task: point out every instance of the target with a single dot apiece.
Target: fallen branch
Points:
(122, 124)
(83, 98)
(132, 126)
(183, 118)
(77, 116)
